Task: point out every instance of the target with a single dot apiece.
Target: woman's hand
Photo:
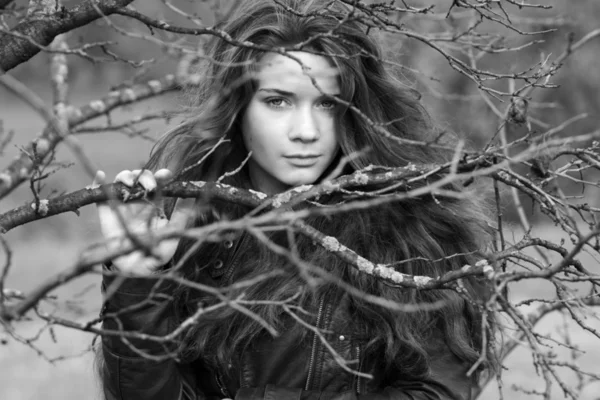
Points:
(141, 218)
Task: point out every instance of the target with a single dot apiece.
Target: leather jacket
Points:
(275, 368)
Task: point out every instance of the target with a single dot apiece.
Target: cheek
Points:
(256, 125)
(333, 138)
(247, 129)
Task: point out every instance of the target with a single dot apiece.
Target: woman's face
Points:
(289, 125)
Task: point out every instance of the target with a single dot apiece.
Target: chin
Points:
(301, 182)
(302, 178)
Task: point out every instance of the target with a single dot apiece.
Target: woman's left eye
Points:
(328, 104)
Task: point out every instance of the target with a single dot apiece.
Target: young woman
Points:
(298, 114)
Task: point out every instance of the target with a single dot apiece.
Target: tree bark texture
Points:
(27, 38)
(4, 3)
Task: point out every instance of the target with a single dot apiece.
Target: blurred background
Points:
(58, 363)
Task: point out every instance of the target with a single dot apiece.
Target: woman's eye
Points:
(328, 104)
(276, 102)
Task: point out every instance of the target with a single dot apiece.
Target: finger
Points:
(146, 179)
(163, 176)
(108, 220)
(183, 213)
(99, 179)
(126, 177)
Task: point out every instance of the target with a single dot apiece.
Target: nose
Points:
(305, 126)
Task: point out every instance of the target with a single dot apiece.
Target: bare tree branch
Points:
(20, 169)
(30, 36)
(5, 3)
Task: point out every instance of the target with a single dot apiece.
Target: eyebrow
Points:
(278, 91)
(291, 94)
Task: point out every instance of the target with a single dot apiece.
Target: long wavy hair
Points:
(380, 124)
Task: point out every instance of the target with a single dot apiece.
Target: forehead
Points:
(277, 71)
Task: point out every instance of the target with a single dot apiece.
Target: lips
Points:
(302, 160)
(302, 156)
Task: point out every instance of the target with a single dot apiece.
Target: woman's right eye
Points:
(276, 102)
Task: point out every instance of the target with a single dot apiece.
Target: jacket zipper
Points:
(234, 259)
(222, 388)
(313, 354)
(226, 278)
(358, 385)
